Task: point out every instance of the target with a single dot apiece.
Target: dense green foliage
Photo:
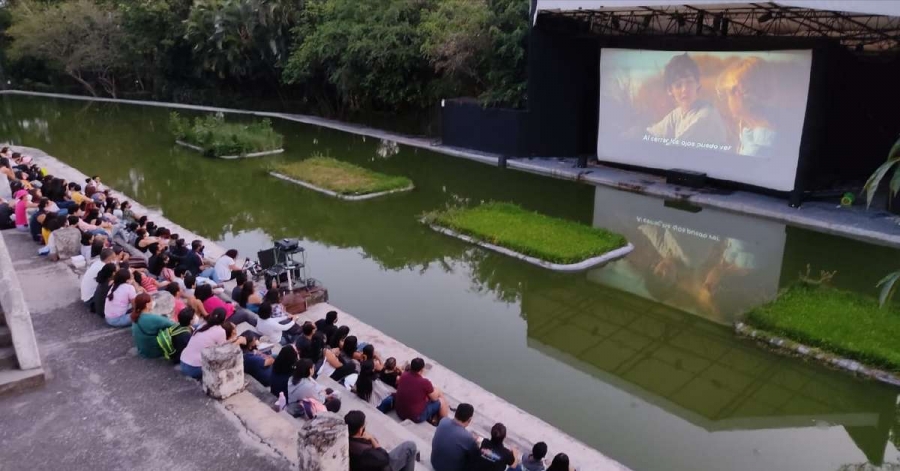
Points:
(218, 138)
(534, 234)
(337, 56)
(842, 322)
(342, 177)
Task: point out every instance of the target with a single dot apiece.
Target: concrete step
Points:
(16, 380)
(5, 336)
(8, 359)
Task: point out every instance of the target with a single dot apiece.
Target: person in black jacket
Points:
(367, 455)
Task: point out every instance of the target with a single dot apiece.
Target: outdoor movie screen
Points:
(733, 115)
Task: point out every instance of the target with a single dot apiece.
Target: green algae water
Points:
(637, 359)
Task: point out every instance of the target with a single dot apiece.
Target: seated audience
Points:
(180, 335)
(104, 282)
(283, 369)
(327, 325)
(146, 326)
(390, 372)
(204, 293)
(535, 460)
(416, 398)
(121, 295)
(302, 384)
(310, 343)
(337, 338)
(209, 334)
(366, 385)
(248, 298)
(270, 326)
(366, 453)
(560, 463)
(256, 364)
(239, 280)
(225, 268)
(493, 455)
(89, 280)
(452, 446)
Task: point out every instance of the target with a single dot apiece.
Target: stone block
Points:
(323, 444)
(223, 371)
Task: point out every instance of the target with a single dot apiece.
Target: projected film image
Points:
(733, 115)
(710, 263)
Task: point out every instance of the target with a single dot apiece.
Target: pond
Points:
(637, 359)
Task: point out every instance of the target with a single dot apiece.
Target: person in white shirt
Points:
(272, 327)
(89, 280)
(225, 268)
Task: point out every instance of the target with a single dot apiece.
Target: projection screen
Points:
(735, 116)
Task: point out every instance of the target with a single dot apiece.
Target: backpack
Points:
(164, 339)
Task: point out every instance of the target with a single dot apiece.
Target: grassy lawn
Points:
(845, 323)
(218, 138)
(341, 177)
(543, 237)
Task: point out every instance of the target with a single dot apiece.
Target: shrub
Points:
(529, 233)
(218, 138)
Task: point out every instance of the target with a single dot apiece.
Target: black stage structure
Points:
(851, 116)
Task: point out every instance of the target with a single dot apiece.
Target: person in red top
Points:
(416, 398)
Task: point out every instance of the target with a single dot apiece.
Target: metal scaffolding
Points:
(859, 32)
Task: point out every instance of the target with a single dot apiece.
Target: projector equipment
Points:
(279, 266)
(688, 178)
(288, 245)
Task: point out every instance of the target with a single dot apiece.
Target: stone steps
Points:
(8, 359)
(5, 336)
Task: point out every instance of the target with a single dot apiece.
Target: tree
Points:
(155, 49)
(478, 46)
(81, 38)
(506, 74)
(367, 52)
(240, 38)
(456, 42)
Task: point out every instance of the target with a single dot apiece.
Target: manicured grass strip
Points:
(529, 233)
(218, 138)
(845, 323)
(342, 177)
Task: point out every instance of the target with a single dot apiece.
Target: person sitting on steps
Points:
(453, 447)
(366, 453)
(416, 398)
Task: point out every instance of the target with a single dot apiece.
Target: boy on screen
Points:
(692, 120)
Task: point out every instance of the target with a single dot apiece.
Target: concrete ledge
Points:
(18, 318)
(231, 157)
(790, 347)
(335, 194)
(14, 381)
(276, 430)
(564, 267)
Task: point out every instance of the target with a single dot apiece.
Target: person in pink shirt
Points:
(210, 334)
(211, 302)
(23, 202)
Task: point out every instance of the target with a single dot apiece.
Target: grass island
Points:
(838, 322)
(340, 179)
(212, 136)
(553, 243)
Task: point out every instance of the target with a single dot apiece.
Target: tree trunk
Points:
(109, 84)
(77, 76)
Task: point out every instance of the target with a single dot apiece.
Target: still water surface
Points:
(637, 358)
